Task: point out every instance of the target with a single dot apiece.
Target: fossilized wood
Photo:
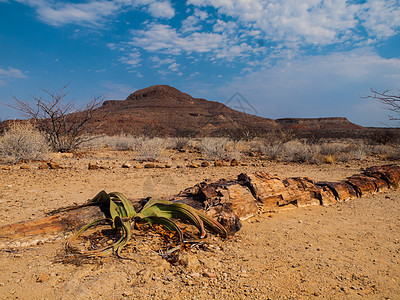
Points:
(388, 173)
(362, 184)
(265, 188)
(228, 201)
(48, 228)
(342, 190)
(326, 196)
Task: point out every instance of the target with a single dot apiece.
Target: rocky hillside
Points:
(164, 110)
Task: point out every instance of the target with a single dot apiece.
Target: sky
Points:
(285, 58)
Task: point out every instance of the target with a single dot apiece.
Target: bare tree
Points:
(391, 101)
(64, 124)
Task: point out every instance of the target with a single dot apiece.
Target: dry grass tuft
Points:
(22, 141)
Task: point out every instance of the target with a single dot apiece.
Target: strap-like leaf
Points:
(128, 209)
(213, 225)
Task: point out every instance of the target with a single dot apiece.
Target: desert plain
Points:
(350, 250)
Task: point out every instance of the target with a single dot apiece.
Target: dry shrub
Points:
(333, 148)
(149, 148)
(122, 142)
(298, 151)
(329, 159)
(234, 149)
(23, 141)
(359, 150)
(179, 143)
(272, 150)
(220, 148)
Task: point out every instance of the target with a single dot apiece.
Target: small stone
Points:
(193, 165)
(195, 275)
(190, 262)
(150, 166)
(24, 167)
(234, 162)
(53, 165)
(126, 166)
(167, 166)
(5, 168)
(93, 167)
(209, 275)
(42, 278)
(218, 163)
(205, 164)
(44, 167)
(138, 167)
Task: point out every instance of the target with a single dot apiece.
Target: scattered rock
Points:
(44, 167)
(234, 162)
(205, 164)
(193, 165)
(93, 167)
(209, 275)
(150, 166)
(5, 168)
(190, 261)
(138, 167)
(126, 165)
(167, 166)
(53, 165)
(42, 278)
(24, 167)
(218, 163)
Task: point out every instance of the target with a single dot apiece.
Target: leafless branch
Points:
(391, 101)
(64, 124)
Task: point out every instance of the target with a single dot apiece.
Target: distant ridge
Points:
(162, 110)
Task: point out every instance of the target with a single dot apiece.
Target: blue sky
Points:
(288, 58)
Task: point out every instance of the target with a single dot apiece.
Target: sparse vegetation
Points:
(149, 148)
(221, 148)
(22, 141)
(65, 125)
(124, 218)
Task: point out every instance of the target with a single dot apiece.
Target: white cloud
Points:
(90, 13)
(174, 67)
(132, 59)
(311, 22)
(381, 18)
(93, 13)
(161, 10)
(164, 38)
(158, 62)
(319, 86)
(10, 73)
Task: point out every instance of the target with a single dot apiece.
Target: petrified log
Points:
(48, 228)
(228, 201)
(342, 190)
(388, 173)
